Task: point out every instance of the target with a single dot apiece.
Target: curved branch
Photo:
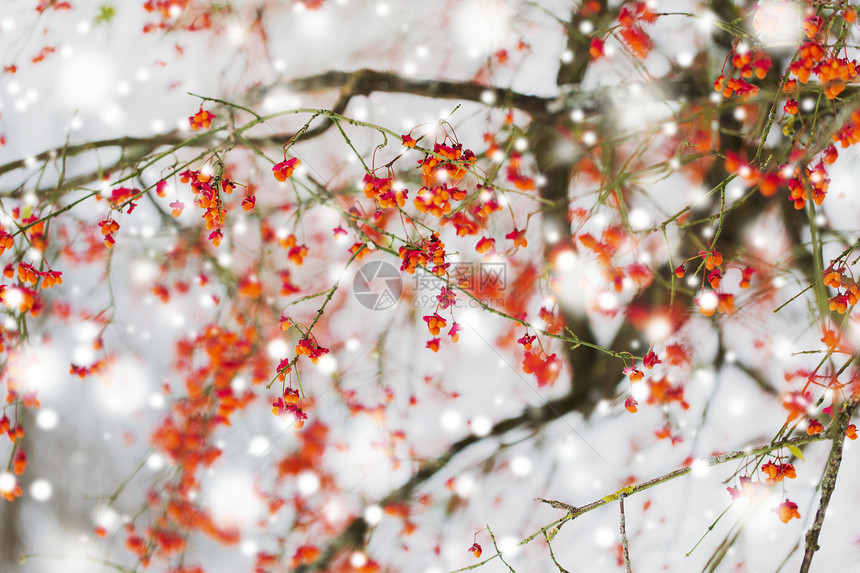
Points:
(153, 142)
(353, 535)
(141, 147)
(367, 81)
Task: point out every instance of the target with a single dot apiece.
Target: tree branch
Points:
(365, 81)
(140, 147)
(828, 481)
(535, 418)
(574, 511)
(623, 529)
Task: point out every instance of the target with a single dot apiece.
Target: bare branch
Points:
(535, 418)
(828, 481)
(366, 81)
(139, 148)
(498, 551)
(710, 461)
(552, 555)
(623, 530)
(756, 376)
(150, 143)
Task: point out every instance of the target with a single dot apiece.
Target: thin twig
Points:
(623, 529)
(783, 305)
(498, 552)
(828, 482)
(574, 512)
(65, 558)
(552, 555)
